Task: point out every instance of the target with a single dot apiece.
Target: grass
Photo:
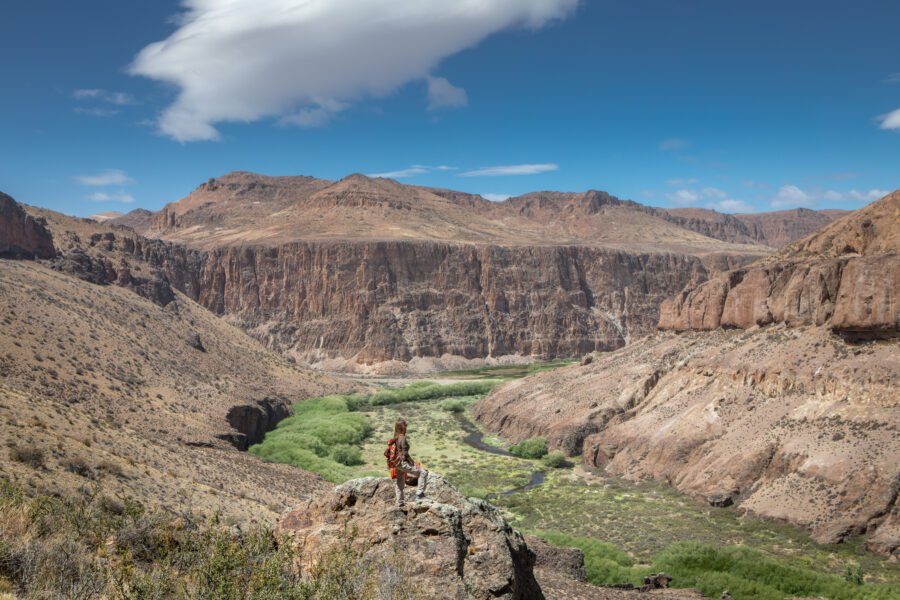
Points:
(93, 546)
(625, 529)
(507, 371)
(530, 448)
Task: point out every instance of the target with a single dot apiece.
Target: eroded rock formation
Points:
(21, 235)
(447, 545)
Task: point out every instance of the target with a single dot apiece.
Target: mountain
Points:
(369, 274)
(108, 374)
(776, 229)
(779, 395)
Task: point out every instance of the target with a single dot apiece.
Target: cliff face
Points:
(776, 229)
(21, 235)
(847, 275)
(383, 301)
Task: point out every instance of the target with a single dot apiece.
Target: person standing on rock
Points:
(402, 465)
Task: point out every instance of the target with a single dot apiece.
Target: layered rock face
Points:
(848, 276)
(445, 545)
(793, 424)
(21, 235)
(776, 229)
(384, 301)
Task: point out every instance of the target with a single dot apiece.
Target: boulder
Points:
(451, 546)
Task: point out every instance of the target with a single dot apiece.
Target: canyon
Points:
(374, 276)
(772, 387)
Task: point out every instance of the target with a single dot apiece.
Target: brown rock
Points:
(21, 235)
(455, 547)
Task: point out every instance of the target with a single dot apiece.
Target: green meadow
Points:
(625, 529)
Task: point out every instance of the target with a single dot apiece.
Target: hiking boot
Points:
(420, 495)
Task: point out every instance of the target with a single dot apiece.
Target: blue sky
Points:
(732, 105)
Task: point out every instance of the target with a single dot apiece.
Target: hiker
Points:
(403, 469)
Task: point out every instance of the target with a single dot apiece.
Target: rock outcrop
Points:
(21, 235)
(847, 275)
(446, 545)
(793, 424)
(775, 229)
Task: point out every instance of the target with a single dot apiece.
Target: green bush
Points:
(346, 455)
(531, 448)
(556, 460)
(453, 405)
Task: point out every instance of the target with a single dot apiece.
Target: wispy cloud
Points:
(105, 178)
(412, 171)
(711, 198)
(752, 183)
(671, 144)
(443, 94)
(245, 60)
(529, 169)
(96, 111)
(855, 195)
(892, 78)
(791, 196)
(682, 182)
(117, 98)
(121, 196)
(496, 197)
(891, 120)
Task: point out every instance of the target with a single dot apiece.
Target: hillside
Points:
(137, 387)
(777, 412)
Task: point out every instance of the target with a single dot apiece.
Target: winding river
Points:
(475, 439)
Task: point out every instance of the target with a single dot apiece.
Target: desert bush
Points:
(556, 460)
(76, 548)
(346, 455)
(531, 448)
(79, 466)
(29, 454)
(453, 405)
(426, 390)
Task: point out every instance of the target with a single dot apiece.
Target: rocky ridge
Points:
(21, 235)
(847, 275)
(446, 545)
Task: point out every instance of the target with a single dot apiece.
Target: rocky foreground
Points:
(443, 546)
(780, 396)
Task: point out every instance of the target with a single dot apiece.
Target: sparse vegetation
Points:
(28, 454)
(92, 546)
(556, 460)
(531, 448)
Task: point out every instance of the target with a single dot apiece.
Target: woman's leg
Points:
(422, 474)
(399, 483)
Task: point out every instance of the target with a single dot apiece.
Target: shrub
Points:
(556, 460)
(346, 455)
(453, 405)
(532, 448)
(30, 455)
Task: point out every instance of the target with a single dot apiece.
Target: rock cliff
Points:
(776, 229)
(21, 235)
(847, 275)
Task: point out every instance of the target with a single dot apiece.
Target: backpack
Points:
(393, 459)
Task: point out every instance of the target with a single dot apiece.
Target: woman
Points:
(401, 464)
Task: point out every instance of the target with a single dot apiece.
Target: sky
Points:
(737, 106)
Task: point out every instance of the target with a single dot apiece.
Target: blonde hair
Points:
(399, 428)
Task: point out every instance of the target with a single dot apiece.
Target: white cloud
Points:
(681, 182)
(104, 178)
(791, 196)
(684, 197)
(117, 98)
(443, 94)
(833, 196)
(402, 173)
(244, 60)
(892, 78)
(711, 192)
(511, 170)
(891, 120)
(867, 196)
(731, 206)
(495, 197)
(96, 111)
(673, 144)
(412, 171)
(120, 196)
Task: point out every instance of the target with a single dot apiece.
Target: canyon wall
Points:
(384, 301)
(21, 235)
